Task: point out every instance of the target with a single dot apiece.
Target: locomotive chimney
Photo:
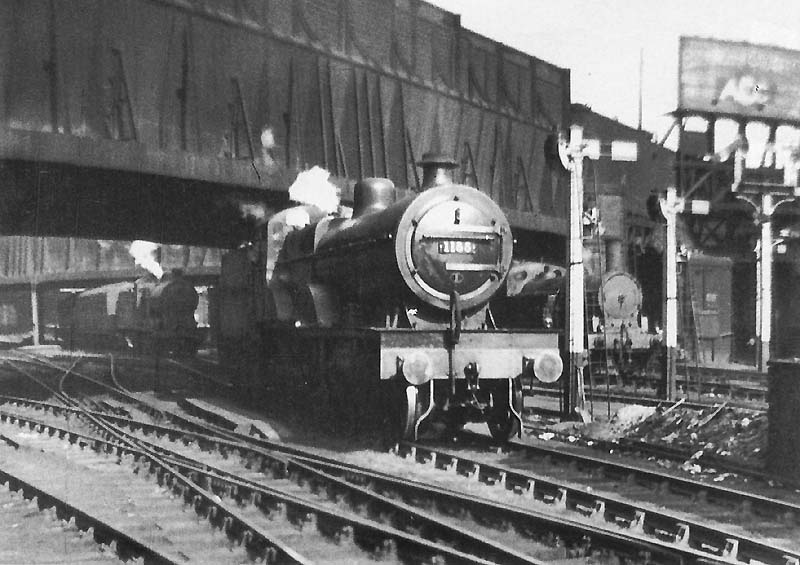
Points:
(372, 195)
(437, 169)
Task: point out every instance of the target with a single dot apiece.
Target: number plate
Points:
(455, 246)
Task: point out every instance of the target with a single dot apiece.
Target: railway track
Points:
(309, 494)
(29, 521)
(418, 520)
(700, 386)
(733, 384)
(342, 529)
(266, 518)
(580, 480)
(599, 396)
(738, 472)
(544, 535)
(106, 499)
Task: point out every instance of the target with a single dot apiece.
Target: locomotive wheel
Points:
(503, 423)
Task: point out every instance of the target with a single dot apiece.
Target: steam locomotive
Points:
(382, 318)
(147, 315)
(617, 339)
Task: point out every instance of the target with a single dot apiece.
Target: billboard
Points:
(738, 79)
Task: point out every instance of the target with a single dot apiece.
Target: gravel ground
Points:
(733, 433)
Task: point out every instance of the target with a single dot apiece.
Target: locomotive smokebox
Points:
(372, 195)
(436, 170)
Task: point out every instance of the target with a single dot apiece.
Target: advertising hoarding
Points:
(738, 79)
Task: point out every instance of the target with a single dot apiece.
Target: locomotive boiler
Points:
(384, 315)
(145, 315)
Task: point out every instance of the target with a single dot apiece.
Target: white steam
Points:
(313, 187)
(144, 254)
(252, 210)
(297, 217)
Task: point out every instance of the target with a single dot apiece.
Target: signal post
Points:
(765, 195)
(671, 206)
(572, 155)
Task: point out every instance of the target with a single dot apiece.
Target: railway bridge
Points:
(162, 119)
(184, 121)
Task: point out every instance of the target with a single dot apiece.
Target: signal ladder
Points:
(690, 347)
(599, 364)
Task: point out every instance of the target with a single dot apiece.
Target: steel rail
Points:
(304, 453)
(300, 461)
(103, 531)
(600, 396)
(478, 549)
(221, 515)
(730, 546)
(772, 507)
(625, 445)
(522, 518)
(174, 467)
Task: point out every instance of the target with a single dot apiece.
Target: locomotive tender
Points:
(146, 315)
(384, 316)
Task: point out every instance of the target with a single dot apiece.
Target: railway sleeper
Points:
(683, 535)
(731, 550)
(497, 480)
(474, 473)
(527, 489)
(637, 523)
(585, 510)
(451, 466)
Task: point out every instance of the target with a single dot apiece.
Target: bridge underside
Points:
(62, 186)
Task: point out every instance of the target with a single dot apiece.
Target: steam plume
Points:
(313, 187)
(144, 254)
